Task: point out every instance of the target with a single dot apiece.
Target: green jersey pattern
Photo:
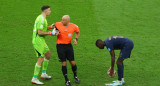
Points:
(40, 24)
(39, 41)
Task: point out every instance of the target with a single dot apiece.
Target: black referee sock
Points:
(64, 70)
(74, 69)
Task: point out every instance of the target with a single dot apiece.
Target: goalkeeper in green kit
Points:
(40, 47)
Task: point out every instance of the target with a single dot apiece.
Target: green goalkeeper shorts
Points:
(41, 49)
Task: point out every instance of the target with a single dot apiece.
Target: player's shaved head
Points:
(65, 20)
(66, 17)
(100, 44)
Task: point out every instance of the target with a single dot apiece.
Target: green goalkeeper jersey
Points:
(40, 24)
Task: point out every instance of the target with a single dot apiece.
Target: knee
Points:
(48, 55)
(64, 63)
(72, 63)
(119, 63)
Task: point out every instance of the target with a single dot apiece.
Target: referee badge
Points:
(69, 35)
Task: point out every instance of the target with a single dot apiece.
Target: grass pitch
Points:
(134, 19)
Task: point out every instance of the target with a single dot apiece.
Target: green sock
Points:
(36, 70)
(45, 65)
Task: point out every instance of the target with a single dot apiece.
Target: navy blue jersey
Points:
(116, 42)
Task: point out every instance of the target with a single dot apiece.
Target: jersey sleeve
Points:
(56, 26)
(109, 47)
(40, 24)
(76, 29)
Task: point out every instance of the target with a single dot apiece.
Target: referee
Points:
(64, 46)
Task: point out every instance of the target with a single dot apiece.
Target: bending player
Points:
(117, 43)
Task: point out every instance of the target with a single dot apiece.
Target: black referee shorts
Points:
(65, 51)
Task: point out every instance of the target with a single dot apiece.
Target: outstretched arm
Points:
(112, 60)
(42, 33)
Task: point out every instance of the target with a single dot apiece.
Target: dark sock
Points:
(64, 70)
(120, 71)
(74, 69)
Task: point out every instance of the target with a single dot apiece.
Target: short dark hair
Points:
(45, 7)
(98, 41)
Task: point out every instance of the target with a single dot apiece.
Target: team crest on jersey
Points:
(69, 35)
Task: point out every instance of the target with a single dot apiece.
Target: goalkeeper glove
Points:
(53, 32)
(52, 26)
